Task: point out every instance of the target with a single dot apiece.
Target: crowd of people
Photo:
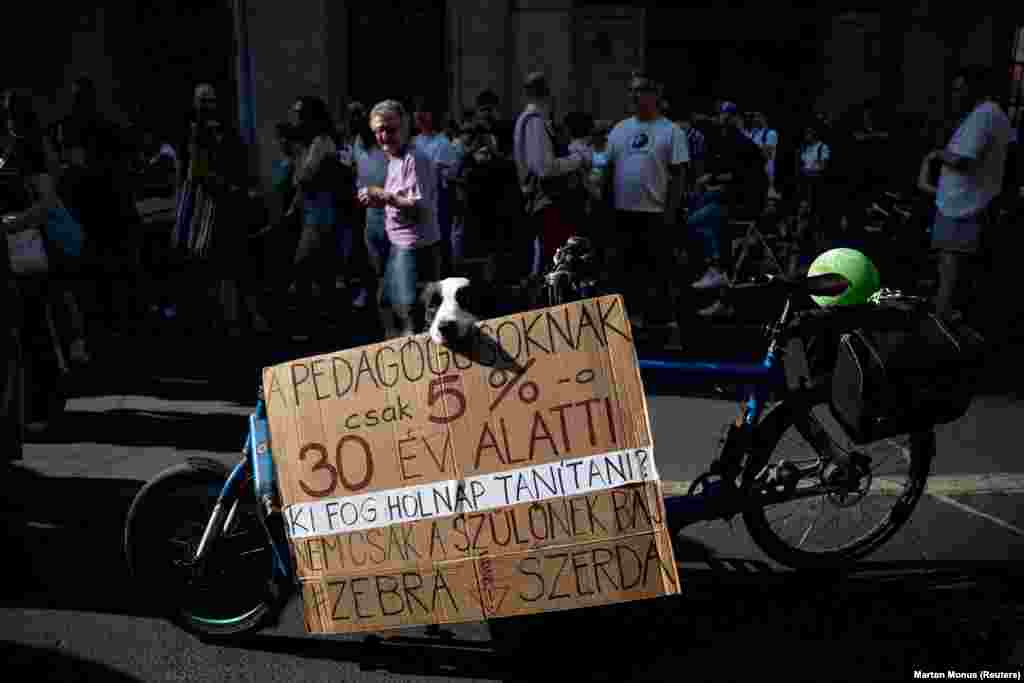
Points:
(368, 206)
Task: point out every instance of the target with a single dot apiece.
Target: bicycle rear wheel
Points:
(229, 594)
(805, 513)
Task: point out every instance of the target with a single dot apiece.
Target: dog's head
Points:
(448, 304)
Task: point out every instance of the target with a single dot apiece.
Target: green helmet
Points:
(855, 267)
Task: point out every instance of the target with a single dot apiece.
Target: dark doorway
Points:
(397, 51)
(771, 76)
(162, 50)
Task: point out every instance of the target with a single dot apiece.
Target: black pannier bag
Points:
(903, 370)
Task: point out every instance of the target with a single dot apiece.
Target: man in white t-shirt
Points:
(767, 141)
(647, 157)
(973, 164)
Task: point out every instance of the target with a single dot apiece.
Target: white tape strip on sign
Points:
(569, 477)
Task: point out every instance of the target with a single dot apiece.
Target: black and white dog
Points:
(448, 305)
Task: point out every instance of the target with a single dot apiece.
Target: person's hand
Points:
(372, 196)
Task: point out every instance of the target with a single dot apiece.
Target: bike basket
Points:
(909, 372)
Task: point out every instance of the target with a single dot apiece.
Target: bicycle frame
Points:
(256, 459)
(758, 379)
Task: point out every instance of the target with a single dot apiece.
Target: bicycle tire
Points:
(769, 432)
(149, 510)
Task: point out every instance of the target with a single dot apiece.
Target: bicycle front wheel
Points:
(807, 512)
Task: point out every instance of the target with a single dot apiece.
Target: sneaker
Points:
(713, 279)
(716, 310)
(360, 300)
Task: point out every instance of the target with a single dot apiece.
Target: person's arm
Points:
(677, 174)
(771, 144)
(36, 214)
(966, 149)
(412, 192)
(923, 180)
(540, 153)
(318, 150)
(608, 187)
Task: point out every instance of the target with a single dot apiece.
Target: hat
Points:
(727, 108)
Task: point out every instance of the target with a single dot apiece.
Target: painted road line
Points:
(995, 483)
(978, 513)
(152, 404)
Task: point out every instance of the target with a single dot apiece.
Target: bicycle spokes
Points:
(815, 501)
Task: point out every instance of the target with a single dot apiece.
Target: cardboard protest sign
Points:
(516, 475)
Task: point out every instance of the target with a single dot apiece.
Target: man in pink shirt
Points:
(409, 200)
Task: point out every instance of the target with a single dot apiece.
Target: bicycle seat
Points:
(828, 284)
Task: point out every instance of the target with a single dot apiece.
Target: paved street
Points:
(945, 593)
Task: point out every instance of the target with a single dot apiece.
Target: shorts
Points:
(406, 267)
(958, 234)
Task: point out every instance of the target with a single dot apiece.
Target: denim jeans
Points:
(377, 243)
(406, 267)
(705, 220)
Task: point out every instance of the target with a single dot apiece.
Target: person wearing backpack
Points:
(544, 165)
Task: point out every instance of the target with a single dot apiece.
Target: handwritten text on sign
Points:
(407, 445)
(475, 494)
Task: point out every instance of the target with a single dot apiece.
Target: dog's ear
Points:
(465, 297)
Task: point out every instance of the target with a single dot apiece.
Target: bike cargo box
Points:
(904, 370)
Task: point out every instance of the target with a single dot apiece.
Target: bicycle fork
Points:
(256, 459)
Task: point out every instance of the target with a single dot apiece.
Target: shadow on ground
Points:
(62, 539)
(216, 432)
(27, 663)
(735, 619)
(878, 624)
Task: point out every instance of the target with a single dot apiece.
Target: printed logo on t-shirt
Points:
(640, 141)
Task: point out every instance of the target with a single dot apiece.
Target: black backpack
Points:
(904, 370)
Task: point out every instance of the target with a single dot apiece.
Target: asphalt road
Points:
(944, 594)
